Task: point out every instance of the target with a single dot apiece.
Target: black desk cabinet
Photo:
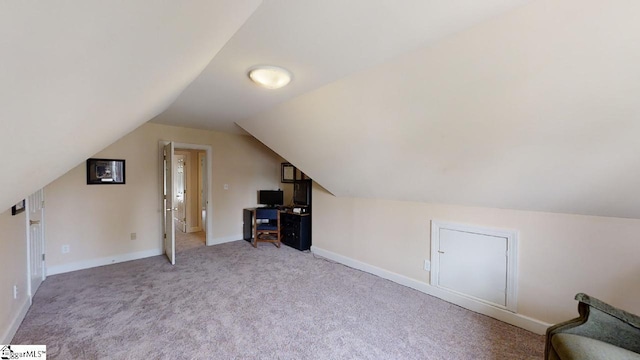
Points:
(296, 230)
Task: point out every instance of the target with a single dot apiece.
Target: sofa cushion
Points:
(575, 347)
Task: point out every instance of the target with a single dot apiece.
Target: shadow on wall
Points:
(619, 290)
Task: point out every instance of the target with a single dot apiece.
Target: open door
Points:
(35, 218)
(169, 226)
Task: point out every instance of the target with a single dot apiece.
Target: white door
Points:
(475, 262)
(169, 225)
(202, 196)
(35, 218)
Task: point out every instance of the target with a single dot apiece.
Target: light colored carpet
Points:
(187, 241)
(232, 301)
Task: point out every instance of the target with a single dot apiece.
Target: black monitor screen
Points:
(270, 197)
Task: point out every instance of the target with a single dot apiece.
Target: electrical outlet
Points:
(134, 236)
(427, 265)
(66, 249)
(15, 291)
(226, 186)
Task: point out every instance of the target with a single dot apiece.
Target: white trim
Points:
(525, 322)
(225, 239)
(194, 229)
(15, 323)
(512, 260)
(87, 264)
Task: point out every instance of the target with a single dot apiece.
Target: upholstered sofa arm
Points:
(600, 321)
(629, 318)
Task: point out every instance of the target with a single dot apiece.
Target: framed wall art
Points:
(18, 208)
(287, 173)
(105, 171)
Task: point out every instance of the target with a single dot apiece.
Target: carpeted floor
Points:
(187, 241)
(232, 301)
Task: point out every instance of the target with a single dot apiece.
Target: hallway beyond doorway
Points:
(187, 241)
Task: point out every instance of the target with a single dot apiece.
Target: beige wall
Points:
(559, 254)
(96, 220)
(13, 261)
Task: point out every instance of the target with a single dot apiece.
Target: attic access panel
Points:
(476, 263)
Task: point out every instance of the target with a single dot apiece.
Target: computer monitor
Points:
(270, 198)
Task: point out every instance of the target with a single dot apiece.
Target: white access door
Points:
(474, 264)
(35, 219)
(169, 225)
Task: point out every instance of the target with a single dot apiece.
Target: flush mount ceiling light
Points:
(271, 77)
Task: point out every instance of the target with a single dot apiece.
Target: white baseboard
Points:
(225, 239)
(15, 323)
(86, 264)
(515, 319)
(194, 229)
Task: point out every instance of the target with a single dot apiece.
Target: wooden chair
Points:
(266, 226)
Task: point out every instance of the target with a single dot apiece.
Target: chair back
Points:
(271, 214)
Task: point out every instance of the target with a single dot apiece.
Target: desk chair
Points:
(266, 227)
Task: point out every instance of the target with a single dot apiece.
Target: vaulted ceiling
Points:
(319, 41)
(501, 103)
(535, 110)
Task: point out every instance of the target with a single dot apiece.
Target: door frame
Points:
(512, 260)
(208, 181)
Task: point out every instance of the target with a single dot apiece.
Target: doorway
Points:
(179, 191)
(189, 166)
(186, 196)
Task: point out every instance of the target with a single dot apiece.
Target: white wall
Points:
(96, 220)
(13, 261)
(559, 254)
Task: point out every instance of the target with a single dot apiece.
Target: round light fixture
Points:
(271, 77)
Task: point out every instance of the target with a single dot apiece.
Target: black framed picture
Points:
(288, 172)
(105, 171)
(18, 208)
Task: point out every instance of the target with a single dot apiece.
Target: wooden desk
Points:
(295, 229)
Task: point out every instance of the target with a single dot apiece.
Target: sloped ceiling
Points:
(319, 41)
(501, 103)
(536, 109)
(77, 75)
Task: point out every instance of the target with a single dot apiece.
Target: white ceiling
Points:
(510, 104)
(536, 109)
(319, 42)
(77, 75)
